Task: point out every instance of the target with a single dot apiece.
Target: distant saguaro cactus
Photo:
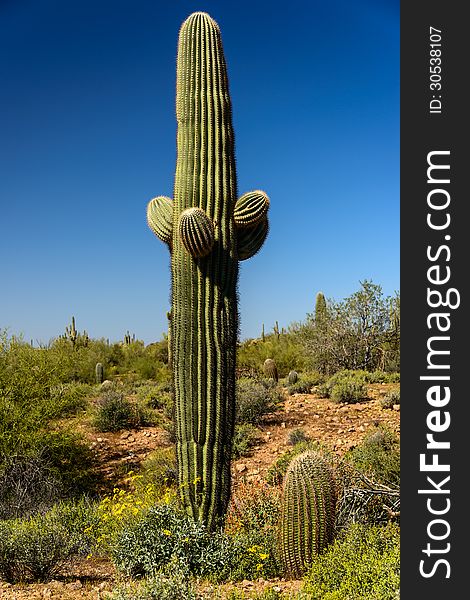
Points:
(99, 373)
(207, 231)
(270, 369)
(71, 332)
(308, 511)
(320, 309)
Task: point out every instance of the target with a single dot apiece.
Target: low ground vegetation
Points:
(55, 507)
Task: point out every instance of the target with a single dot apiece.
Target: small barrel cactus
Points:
(292, 378)
(99, 373)
(308, 511)
(270, 369)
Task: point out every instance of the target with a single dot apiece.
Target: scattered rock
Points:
(241, 468)
(125, 435)
(396, 407)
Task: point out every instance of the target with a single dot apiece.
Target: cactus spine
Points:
(308, 510)
(270, 369)
(207, 231)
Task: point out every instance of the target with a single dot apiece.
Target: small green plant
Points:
(159, 469)
(364, 563)
(254, 506)
(35, 549)
(349, 391)
(378, 456)
(146, 546)
(171, 583)
(390, 399)
(255, 399)
(245, 437)
(308, 510)
(297, 436)
(115, 412)
(305, 383)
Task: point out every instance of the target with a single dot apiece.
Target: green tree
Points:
(360, 332)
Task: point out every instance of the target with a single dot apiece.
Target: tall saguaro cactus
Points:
(207, 231)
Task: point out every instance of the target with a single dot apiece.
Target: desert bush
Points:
(159, 469)
(123, 508)
(390, 399)
(114, 412)
(144, 547)
(305, 383)
(349, 391)
(255, 399)
(297, 436)
(360, 332)
(382, 377)
(285, 350)
(27, 484)
(172, 582)
(254, 506)
(378, 456)
(245, 437)
(36, 548)
(46, 467)
(364, 563)
(344, 386)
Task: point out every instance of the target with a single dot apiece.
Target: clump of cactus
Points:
(207, 231)
(308, 510)
(270, 369)
(99, 373)
(292, 377)
(71, 332)
(129, 339)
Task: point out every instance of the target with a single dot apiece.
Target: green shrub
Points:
(349, 391)
(378, 456)
(115, 412)
(284, 349)
(249, 555)
(35, 549)
(345, 386)
(255, 399)
(172, 583)
(144, 547)
(365, 563)
(390, 399)
(245, 437)
(297, 436)
(305, 383)
(159, 469)
(254, 506)
(382, 377)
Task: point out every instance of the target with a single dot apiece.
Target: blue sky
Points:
(87, 137)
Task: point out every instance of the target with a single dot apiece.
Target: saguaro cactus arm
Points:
(160, 218)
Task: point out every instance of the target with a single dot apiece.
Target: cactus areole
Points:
(207, 231)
